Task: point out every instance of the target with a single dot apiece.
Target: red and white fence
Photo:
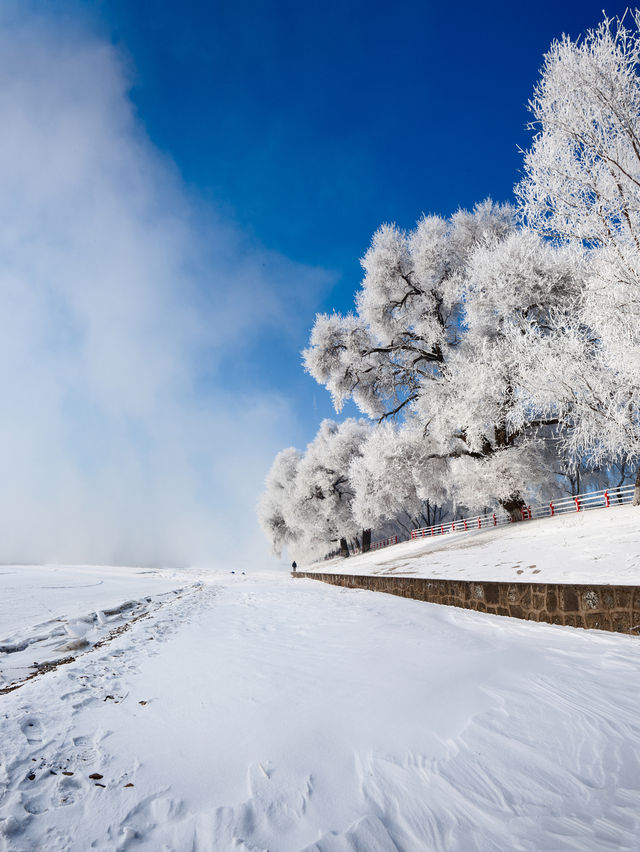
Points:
(385, 542)
(475, 522)
(606, 498)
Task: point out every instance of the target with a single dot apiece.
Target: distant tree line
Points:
(495, 354)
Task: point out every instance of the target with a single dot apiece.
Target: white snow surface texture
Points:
(257, 711)
(600, 546)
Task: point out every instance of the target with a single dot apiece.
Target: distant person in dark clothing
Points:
(293, 565)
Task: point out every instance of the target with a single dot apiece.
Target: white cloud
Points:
(118, 294)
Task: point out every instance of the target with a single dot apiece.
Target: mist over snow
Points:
(122, 301)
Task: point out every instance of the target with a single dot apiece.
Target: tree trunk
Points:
(344, 548)
(513, 506)
(636, 493)
(366, 541)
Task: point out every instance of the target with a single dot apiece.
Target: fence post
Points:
(465, 524)
(495, 520)
(479, 524)
(552, 507)
(606, 499)
(577, 502)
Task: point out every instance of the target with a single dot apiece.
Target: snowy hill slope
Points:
(601, 546)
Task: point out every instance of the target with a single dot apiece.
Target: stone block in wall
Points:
(621, 622)
(605, 621)
(569, 599)
(513, 593)
(607, 598)
(590, 600)
(551, 603)
(477, 591)
(623, 598)
(537, 599)
(492, 593)
(457, 590)
(596, 621)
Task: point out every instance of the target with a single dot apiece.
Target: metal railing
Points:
(385, 542)
(606, 498)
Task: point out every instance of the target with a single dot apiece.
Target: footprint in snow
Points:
(87, 750)
(67, 791)
(30, 727)
(36, 806)
(148, 816)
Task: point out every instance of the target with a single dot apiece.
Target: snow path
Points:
(600, 546)
(262, 712)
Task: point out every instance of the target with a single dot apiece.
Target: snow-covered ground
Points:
(50, 612)
(600, 546)
(256, 712)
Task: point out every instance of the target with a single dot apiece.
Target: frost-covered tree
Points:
(571, 375)
(276, 514)
(395, 480)
(581, 174)
(307, 502)
(407, 316)
(432, 336)
(324, 494)
(582, 189)
(511, 287)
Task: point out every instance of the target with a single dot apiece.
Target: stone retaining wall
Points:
(615, 608)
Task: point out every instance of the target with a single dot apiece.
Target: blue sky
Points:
(309, 124)
(185, 184)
